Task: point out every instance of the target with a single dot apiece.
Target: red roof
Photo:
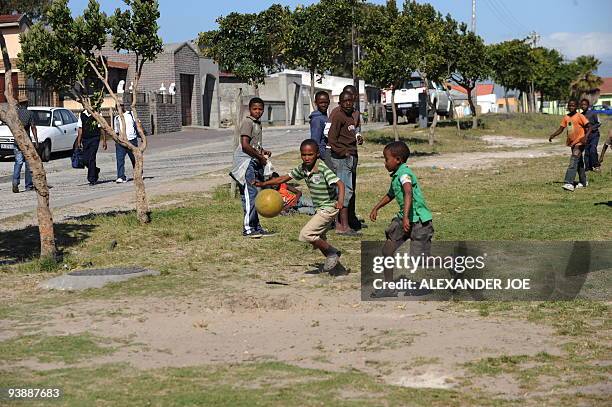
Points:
(481, 90)
(118, 65)
(10, 18)
(606, 86)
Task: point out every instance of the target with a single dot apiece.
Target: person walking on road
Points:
(132, 138)
(88, 138)
(26, 118)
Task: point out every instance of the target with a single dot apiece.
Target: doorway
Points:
(207, 98)
(186, 95)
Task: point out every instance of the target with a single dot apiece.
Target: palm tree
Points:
(586, 84)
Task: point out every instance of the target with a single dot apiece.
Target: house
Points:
(486, 100)
(12, 26)
(287, 100)
(605, 93)
(170, 94)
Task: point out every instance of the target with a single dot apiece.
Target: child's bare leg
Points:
(324, 247)
(342, 224)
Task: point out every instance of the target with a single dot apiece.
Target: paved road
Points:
(169, 157)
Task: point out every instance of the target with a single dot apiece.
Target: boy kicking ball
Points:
(322, 183)
(413, 221)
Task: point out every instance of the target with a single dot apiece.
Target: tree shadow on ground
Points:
(609, 203)
(109, 214)
(463, 124)
(388, 138)
(24, 244)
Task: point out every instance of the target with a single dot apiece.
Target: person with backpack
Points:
(131, 133)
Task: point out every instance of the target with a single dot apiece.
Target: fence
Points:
(37, 95)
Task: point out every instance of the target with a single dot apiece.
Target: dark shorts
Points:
(420, 235)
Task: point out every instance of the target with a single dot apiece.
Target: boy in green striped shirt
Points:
(322, 183)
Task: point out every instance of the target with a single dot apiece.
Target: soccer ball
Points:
(269, 203)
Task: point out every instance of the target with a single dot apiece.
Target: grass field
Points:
(197, 247)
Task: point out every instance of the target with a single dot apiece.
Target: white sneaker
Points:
(120, 181)
(579, 185)
(568, 187)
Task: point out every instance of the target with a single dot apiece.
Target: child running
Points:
(414, 220)
(576, 125)
(322, 183)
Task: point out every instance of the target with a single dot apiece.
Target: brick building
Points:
(177, 67)
(11, 27)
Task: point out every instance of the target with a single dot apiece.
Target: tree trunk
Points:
(9, 115)
(236, 139)
(472, 108)
(541, 102)
(312, 89)
(432, 129)
(394, 110)
(256, 90)
(142, 205)
(506, 99)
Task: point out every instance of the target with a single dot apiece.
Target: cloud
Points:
(572, 45)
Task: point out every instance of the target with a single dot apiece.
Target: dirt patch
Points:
(335, 333)
(514, 142)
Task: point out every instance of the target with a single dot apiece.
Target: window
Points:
(41, 117)
(413, 83)
(57, 117)
(67, 116)
(606, 103)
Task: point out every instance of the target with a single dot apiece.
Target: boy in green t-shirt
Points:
(322, 183)
(413, 221)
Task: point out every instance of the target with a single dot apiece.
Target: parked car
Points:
(57, 131)
(407, 99)
(601, 109)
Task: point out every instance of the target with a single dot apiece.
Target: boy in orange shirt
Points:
(578, 132)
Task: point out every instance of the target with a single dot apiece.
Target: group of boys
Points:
(582, 138)
(329, 162)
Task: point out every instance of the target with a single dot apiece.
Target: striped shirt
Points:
(321, 183)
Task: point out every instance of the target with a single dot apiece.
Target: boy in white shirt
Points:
(120, 151)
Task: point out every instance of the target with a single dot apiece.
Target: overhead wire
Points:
(506, 11)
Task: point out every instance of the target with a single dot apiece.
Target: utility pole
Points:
(534, 43)
(355, 56)
(474, 16)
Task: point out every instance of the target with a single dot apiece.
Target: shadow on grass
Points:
(109, 214)
(388, 138)
(24, 244)
(609, 203)
(463, 124)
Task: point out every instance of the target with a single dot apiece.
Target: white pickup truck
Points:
(407, 99)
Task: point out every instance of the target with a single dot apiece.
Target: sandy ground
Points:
(414, 344)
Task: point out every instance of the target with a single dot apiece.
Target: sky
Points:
(574, 27)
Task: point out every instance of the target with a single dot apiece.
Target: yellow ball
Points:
(269, 203)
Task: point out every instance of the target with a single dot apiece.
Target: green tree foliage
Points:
(34, 9)
(66, 55)
(429, 40)
(551, 76)
(472, 65)
(512, 65)
(585, 82)
(249, 45)
(385, 63)
(318, 33)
